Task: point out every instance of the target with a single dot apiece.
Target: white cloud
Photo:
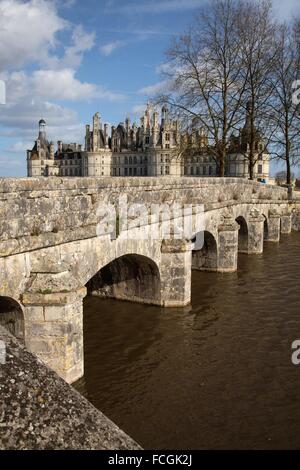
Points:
(25, 115)
(81, 42)
(61, 84)
(110, 47)
(27, 31)
(53, 85)
(157, 88)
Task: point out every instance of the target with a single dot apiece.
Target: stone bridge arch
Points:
(206, 257)
(243, 234)
(130, 277)
(266, 226)
(12, 317)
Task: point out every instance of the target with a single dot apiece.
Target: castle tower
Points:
(106, 136)
(87, 137)
(42, 129)
(128, 136)
(164, 116)
(51, 150)
(96, 129)
(155, 129)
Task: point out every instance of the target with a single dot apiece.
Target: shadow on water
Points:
(217, 374)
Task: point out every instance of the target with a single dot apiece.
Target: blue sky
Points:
(64, 61)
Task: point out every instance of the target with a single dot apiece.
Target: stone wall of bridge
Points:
(41, 212)
(50, 254)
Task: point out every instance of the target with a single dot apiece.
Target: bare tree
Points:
(257, 32)
(207, 85)
(286, 139)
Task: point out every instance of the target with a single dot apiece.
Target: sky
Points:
(65, 60)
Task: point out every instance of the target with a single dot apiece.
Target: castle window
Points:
(135, 160)
(126, 171)
(134, 172)
(147, 140)
(168, 137)
(167, 170)
(192, 171)
(210, 170)
(126, 160)
(167, 146)
(130, 171)
(185, 171)
(260, 169)
(130, 160)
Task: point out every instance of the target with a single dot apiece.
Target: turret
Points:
(87, 138)
(127, 129)
(155, 129)
(147, 122)
(134, 134)
(164, 116)
(106, 136)
(96, 129)
(202, 138)
(42, 129)
(51, 150)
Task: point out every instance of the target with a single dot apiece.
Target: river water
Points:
(215, 375)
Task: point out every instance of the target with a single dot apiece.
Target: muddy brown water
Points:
(215, 375)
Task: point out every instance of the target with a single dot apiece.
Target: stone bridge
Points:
(52, 254)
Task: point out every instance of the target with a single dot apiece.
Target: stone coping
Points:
(8, 185)
(39, 410)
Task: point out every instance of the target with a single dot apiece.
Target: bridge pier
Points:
(54, 330)
(274, 227)
(228, 244)
(286, 222)
(296, 220)
(256, 232)
(175, 273)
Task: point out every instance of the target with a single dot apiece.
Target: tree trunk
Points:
(251, 169)
(287, 149)
(221, 163)
(288, 170)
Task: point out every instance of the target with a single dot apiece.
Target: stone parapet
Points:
(38, 213)
(41, 411)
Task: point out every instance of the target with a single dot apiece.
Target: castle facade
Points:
(155, 148)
